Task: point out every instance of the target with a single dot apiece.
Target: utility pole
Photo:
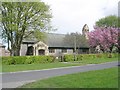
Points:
(74, 47)
(75, 43)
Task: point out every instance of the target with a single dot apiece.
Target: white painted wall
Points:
(2, 51)
(69, 51)
(23, 49)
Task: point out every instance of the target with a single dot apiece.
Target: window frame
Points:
(64, 50)
(51, 50)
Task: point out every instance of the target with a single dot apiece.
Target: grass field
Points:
(24, 67)
(107, 78)
(0, 65)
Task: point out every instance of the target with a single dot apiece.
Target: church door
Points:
(41, 52)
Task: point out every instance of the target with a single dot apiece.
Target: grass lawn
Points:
(107, 78)
(0, 65)
(23, 67)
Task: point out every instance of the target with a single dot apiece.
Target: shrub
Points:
(26, 59)
(41, 59)
(50, 58)
(69, 58)
(12, 60)
(19, 59)
(7, 60)
(85, 56)
(89, 56)
(79, 57)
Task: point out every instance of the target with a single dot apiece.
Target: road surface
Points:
(15, 79)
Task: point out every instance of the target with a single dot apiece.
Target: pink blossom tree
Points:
(106, 38)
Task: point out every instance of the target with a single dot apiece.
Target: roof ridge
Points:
(56, 33)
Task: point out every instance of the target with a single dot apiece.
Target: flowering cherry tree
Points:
(106, 38)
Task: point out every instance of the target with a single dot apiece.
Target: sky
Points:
(71, 15)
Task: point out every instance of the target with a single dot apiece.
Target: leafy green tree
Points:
(21, 19)
(76, 40)
(108, 21)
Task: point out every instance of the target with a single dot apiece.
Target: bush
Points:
(7, 60)
(69, 58)
(12, 60)
(89, 56)
(28, 60)
(86, 56)
(19, 59)
(79, 57)
(42, 59)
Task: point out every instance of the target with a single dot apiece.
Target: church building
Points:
(52, 45)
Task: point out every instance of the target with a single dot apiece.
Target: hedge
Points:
(79, 57)
(13, 60)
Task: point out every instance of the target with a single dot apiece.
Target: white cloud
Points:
(71, 15)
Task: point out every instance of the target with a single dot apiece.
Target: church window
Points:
(51, 50)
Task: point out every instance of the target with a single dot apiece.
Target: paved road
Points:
(13, 80)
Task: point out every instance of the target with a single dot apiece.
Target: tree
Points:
(108, 21)
(106, 38)
(21, 19)
(76, 40)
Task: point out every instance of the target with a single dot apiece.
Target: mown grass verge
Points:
(24, 67)
(107, 78)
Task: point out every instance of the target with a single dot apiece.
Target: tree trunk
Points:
(111, 48)
(11, 52)
(17, 52)
(103, 50)
(9, 47)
